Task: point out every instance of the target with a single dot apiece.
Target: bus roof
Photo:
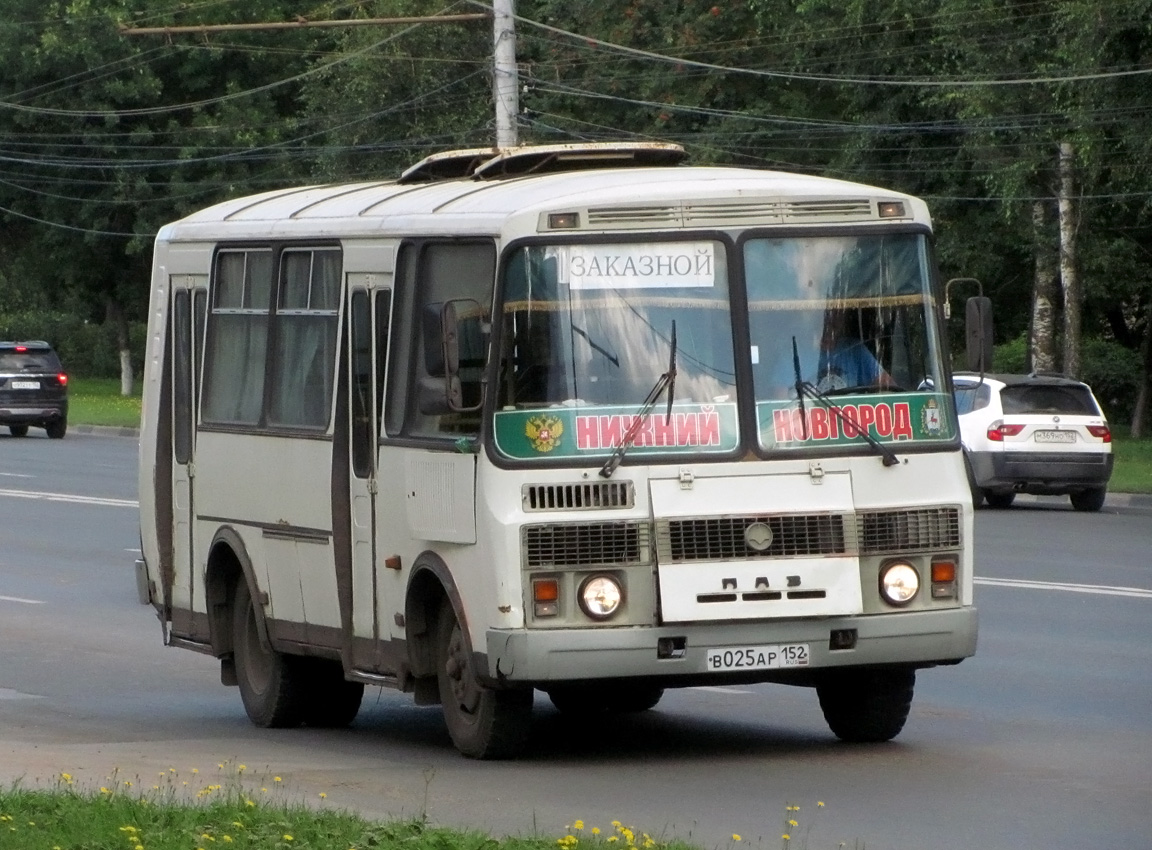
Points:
(608, 198)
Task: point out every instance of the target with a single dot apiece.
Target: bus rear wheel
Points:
(867, 706)
(271, 683)
(483, 722)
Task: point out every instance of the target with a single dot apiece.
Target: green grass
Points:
(97, 401)
(1132, 472)
(244, 812)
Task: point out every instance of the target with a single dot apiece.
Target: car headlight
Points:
(899, 582)
(600, 596)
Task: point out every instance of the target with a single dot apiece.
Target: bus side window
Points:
(304, 356)
(430, 275)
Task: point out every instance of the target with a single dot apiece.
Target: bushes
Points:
(86, 349)
(1112, 371)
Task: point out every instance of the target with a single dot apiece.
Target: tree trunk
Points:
(113, 313)
(1068, 276)
(1043, 342)
(1144, 388)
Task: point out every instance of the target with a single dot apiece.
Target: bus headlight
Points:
(899, 582)
(600, 596)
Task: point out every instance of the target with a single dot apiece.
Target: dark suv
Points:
(33, 389)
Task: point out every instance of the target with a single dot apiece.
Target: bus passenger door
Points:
(368, 318)
(189, 303)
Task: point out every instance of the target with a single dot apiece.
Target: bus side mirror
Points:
(442, 391)
(978, 333)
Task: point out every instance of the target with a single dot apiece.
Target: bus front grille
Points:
(884, 532)
(580, 496)
(555, 546)
(735, 538)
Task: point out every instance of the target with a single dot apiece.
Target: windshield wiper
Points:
(887, 456)
(665, 381)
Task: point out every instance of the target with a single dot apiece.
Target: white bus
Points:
(578, 419)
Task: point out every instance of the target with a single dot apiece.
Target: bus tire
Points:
(867, 706)
(618, 699)
(271, 684)
(330, 701)
(483, 723)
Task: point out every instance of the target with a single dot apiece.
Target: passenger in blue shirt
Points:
(846, 361)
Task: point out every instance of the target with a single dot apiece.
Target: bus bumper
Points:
(539, 656)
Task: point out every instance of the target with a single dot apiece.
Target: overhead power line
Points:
(827, 78)
(302, 24)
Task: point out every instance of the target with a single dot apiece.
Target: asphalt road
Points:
(1043, 740)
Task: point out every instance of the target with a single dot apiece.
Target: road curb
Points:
(1115, 500)
(104, 430)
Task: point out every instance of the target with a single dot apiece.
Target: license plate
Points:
(758, 657)
(24, 385)
(1054, 437)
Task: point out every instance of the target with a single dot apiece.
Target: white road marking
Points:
(68, 497)
(1107, 590)
(20, 599)
(14, 475)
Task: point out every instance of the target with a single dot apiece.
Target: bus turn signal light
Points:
(546, 597)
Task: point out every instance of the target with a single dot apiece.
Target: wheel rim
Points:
(458, 667)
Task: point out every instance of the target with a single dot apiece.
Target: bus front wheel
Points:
(866, 706)
(271, 683)
(484, 723)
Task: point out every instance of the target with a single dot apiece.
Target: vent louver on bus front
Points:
(586, 544)
(581, 496)
(925, 529)
(745, 213)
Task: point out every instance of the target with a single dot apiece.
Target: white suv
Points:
(1041, 434)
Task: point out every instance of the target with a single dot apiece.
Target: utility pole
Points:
(505, 78)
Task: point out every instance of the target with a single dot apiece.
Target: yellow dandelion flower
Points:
(241, 768)
(791, 823)
(264, 790)
(227, 839)
(289, 838)
(735, 837)
(595, 830)
(67, 777)
(104, 790)
(195, 770)
(616, 824)
(275, 778)
(578, 824)
(786, 837)
(138, 847)
(323, 796)
(819, 805)
(612, 838)
(250, 804)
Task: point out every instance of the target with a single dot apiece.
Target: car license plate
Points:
(24, 385)
(1054, 437)
(758, 657)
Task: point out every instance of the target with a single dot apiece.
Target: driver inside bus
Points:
(832, 357)
(845, 359)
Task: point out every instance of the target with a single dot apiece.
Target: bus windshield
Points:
(853, 318)
(587, 331)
